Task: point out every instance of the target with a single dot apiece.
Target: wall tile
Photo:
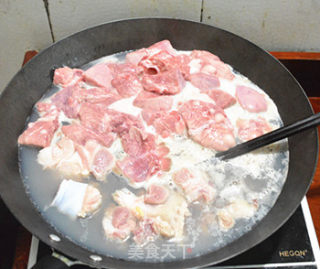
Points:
(69, 16)
(284, 25)
(23, 26)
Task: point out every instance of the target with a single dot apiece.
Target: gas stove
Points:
(294, 245)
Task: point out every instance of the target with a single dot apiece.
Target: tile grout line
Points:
(46, 5)
(201, 11)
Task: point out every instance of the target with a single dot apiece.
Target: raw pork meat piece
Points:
(144, 158)
(145, 232)
(211, 64)
(123, 68)
(95, 118)
(204, 56)
(136, 143)
(125, 79)
(127, 84)
(40, 132)
(163, 45)
(221, 98)
(169, 82)
(77, 199)
(99, 75)
(66, 76)
(180, 62)
(168, 218)
(159, 58)
(140, 168)
(238, 209)
(91, 202)
(156, 63)
(80, 135)
(225, 220)
(250, 99)
(118, 223)
(136, 56)
(208, 125)
(165, 122)
(152, 101)
(101, 96)
(156, 195)
(122, 122)
(47, 109)
(163, 61)
(250, 129)
(68, 100)
(204, 82)
(195, 185)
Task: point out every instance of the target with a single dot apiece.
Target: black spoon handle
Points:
(271, 137)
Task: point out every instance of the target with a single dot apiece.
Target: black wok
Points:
(35, 78)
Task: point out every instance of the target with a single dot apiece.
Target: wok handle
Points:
(50, 262)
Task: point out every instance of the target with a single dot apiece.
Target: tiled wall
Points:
(274, 24)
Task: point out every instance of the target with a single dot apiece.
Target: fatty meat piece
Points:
(77, 199)
(156, 194)
(238, 209)
(168, 218)
(195, 185)
(47, 109)
(118, 223)
(91, 202)
(145, 232)
(63, 157)
(74, 160)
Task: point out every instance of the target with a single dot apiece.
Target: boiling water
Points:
(258, 176)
